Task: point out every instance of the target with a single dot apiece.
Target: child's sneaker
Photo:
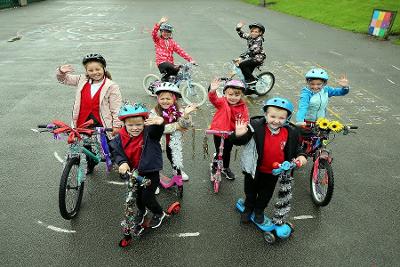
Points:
(185, 177)
(139, 218)
(259, 218)
(228, 174)
(157, 191)
(157, 220)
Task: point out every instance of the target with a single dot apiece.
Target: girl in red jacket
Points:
(165, 47)
(230, 107)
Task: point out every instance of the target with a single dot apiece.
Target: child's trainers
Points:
(259, 218)
(185, 177)
(139, 218)
(228, 174)
(157, 220)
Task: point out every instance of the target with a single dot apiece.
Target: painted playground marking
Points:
(57, 229)
(303, 217)
(397, 68)
(391, 81)
(116, 183)
(187, 234)
(335, 53)
(58, 157)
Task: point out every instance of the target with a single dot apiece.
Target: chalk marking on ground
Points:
(303, 217)
(58, 157)
(335, 53)
(57, 229)
(392, 82)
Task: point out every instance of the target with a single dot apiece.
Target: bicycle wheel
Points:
(321, 184)
(196, 94)
(148, 83)
(266, 81)
(71, 192)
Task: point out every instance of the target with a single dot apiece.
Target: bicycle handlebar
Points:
(285, 166)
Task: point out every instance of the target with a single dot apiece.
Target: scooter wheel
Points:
(126, 241)
(269, 237)
(174, 208)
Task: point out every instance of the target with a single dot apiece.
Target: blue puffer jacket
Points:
(313, 105)
(151, 157)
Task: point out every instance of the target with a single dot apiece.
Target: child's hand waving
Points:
(189, 109)
(343, 81)
(240, 24)
(163, 20)
(66, 68)
(240, 127)
(215, 84)
(154, 120)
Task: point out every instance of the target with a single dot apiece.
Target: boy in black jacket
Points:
(268, 139)
(137, 146)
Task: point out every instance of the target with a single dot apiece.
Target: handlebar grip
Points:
(353, 127)
(108, 129)
(42, 126)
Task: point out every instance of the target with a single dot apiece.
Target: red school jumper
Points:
(89, 105)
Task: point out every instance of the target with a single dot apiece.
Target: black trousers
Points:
(145, 196)
(259, 191)
(167, 69)
(247, 66)
(226, 156)
(169, 156)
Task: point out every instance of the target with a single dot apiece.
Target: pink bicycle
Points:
(176, 180)
(216, 178)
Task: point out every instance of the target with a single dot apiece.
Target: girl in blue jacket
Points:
(314, 97)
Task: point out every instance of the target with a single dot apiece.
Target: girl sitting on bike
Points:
(314, 97)
(177, 121)
(137, 147)
(97, 97)
(230, 107)
(255, 55)
(165, 47)
(268, 139)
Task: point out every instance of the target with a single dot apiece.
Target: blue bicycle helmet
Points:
(135, 110)
(317, 73)
(166, 27)
(279, 102)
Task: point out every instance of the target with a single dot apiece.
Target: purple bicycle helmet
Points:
(235, 84)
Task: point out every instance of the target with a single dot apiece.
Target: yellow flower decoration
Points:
(323, 123)
(336, 126)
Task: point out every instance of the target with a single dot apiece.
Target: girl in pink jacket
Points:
(96, 97)
(230, 107)
(165, 47)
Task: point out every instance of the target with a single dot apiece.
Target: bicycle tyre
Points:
(147, 80)
(199, 90)
(322, 198)
(67, 212)
(265, 83)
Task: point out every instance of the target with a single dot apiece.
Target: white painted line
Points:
(57, 229)
(335, 53)
(397, 68)
(303, 217)
(117, 183)
(35, 130)
(58, 157)
(188, 234)
(390, 81)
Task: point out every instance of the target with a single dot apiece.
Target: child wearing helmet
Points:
(268, 139)
(97, 97)
(165, 47)
(230, 107)
(314, 97)
(255, 55)
(137, 146)
(176, 120)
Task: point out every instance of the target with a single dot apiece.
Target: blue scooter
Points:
(277, 227)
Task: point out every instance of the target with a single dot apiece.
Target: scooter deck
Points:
(267, 226)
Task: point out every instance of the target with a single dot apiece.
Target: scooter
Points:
(129, 227)
(167, 182)
(277, 227)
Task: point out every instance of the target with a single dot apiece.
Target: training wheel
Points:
(269, 237)
(174, 208)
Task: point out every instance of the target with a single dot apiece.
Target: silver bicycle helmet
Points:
(168, 87)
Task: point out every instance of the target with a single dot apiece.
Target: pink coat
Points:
(110, 98)
(165, 48)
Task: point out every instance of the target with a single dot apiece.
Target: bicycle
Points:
(192, 93)
(265, 80)
(133, 182)
(73, 176)
(316, 137)
(216, 178)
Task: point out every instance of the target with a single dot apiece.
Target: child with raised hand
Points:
(177, 121)
(255, 55)
(165, 48)
(268, 139)
(137, 147)
(314, 98)
(230, 107)
(97, 97)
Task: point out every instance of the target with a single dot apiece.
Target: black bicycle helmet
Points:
(94, 57)
(257, 25)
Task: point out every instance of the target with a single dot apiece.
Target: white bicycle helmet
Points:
(168, 87)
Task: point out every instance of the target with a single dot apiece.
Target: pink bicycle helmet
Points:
(235, 84)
